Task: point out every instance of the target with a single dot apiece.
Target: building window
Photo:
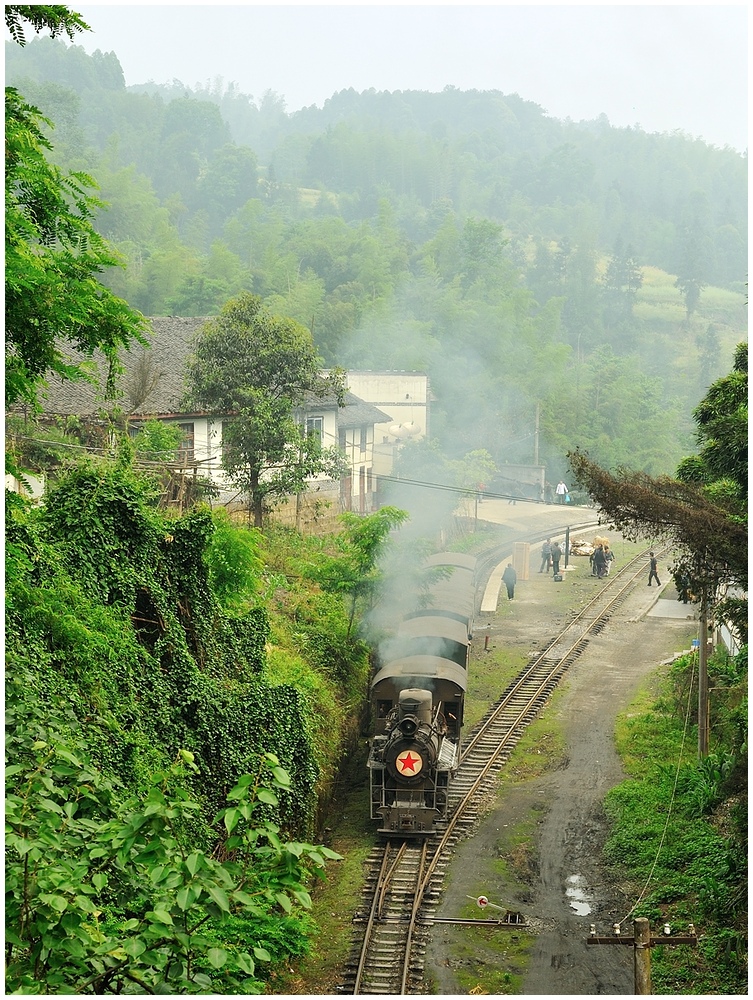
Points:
(186, 450)
(315, 425)
(363, 439)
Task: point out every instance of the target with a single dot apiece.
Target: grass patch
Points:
(679, 837)
(494, 961)
(490, 673)
(336, 899)
(541, 748)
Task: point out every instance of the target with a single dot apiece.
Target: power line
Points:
(460, 490)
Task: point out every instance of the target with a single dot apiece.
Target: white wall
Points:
(33, 486)
(405, 397)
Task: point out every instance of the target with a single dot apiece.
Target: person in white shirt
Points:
(561, 492)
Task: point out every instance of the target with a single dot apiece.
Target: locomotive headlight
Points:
(408, 726)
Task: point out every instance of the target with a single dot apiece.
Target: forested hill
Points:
(590, 273)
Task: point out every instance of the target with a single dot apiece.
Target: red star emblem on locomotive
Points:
(407, 762)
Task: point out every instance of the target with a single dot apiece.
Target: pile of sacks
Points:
(580, 547)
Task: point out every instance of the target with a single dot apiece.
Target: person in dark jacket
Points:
(510, 578)
(653, 567)
(600, 561)
(556, 556)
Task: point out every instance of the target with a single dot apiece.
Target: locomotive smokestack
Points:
(414, 701)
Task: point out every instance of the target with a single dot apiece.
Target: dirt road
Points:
(554, 876)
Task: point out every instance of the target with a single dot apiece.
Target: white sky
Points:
(663, 67)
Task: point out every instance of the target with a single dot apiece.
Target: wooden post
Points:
(642, 943)
(642, 956)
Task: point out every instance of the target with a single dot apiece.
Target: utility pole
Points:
(642, 957)
(536, 436)
(642, 943)
(703, 679)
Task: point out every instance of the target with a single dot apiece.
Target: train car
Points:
(417, 702)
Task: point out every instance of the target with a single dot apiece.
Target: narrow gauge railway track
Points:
(405, 879)
(494, 737)
(389, 942)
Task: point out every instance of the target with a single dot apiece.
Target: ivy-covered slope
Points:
(112, 608)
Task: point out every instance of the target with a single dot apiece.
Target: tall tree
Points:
(704, 510)
(622, 280)
(53, 255)
(254, 369)
(696, 251)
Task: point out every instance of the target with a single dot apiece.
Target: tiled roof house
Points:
(152, 387)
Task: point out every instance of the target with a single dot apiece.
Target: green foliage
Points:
(722, 421)
(34, 447)
(107, 892)
(253, 369)
(355, 572)
(110, 667)
(233, 557)
(110, 605)
(157, 441)
(679, 831)
(53, 256)
(54, 17)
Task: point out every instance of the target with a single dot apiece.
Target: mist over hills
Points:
(595, 274)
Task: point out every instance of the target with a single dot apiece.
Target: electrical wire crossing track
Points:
(405, 879)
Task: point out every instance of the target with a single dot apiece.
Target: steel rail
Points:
(375, 904)
(413, 917)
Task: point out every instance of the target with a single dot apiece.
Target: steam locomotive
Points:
(417, 701)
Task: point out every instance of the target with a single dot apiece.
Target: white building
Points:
(152, 387)
(405, 398)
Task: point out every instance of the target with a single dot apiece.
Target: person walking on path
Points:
(608, 559)
(556, 556)
(561, 492)
(510, 578)
(546, 556)
(653, 566)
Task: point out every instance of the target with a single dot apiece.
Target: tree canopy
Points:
(464, 234)
(53, 254)
(704, 509)
(253, 369)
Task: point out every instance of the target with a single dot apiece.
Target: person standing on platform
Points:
(510, 578)
(546, 556)
(556, 556)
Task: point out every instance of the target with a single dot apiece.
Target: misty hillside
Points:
(595, 274)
